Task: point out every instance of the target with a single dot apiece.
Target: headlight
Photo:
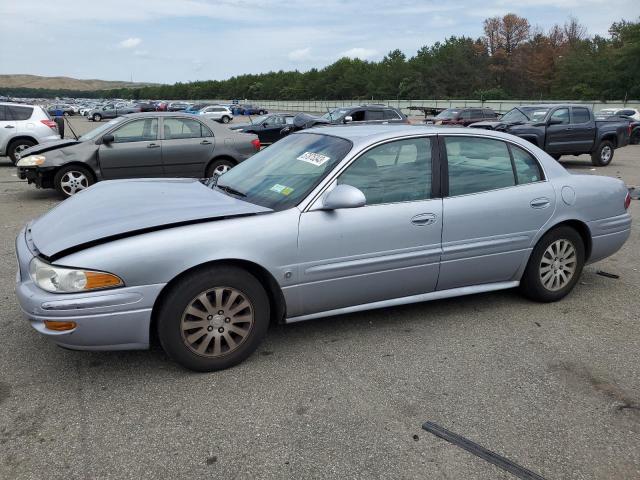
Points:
(70, 280)
(31, 161)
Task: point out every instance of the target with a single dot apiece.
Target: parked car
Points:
(112, 111)
(177, 106)
(251, 110)
(365, 114)
(59, 108)
(195, 108)
(268, 128)
(137, 145)
(462, 116)
(23, 126)
(218, 113)
(626, 112)
(146, 106)
(564, 129)
(326, 221)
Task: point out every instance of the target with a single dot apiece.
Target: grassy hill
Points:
(64, 83)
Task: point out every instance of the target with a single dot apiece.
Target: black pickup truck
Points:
(563, 129)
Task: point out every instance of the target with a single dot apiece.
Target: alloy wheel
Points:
(217, 322)
(605, 154)
(220, 169)
(73, 181)
(558, 265)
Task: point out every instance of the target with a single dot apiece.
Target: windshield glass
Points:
(280, 176)
(448, 114)
(96, 132)
(335, 114)
(525, 114)
(259, 119)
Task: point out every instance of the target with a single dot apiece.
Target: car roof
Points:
(13, 104)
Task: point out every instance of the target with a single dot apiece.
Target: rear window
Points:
(580, 115)
(15, 112)
(391, 115)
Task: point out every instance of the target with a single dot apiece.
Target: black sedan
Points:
(267, 127)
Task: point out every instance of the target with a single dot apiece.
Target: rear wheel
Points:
(17, 147)
(635, 137)
(603, 155)
(71, 179)
(213, 319)
(219, 167)
(554, 266)
(225, 119)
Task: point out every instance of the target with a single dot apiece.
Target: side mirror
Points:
(348, 119)
(554, 121)
(108, 138)
(344, 196)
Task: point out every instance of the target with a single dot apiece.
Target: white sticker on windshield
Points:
(316, 159)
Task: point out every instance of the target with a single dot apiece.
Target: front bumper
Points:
(42, 177)
(117, 319)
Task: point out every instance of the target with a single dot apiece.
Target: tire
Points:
(603, 155)
(635, 137)
(197, 335)
(536, 283)
(18, 146)
(225, 119)
(261, 112)
(219, 167)
(72, 179)
(556, 156)
(97, 117)
(65, 114)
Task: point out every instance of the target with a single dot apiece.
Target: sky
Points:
(165, 41)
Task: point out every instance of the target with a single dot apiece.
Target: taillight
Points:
(50, 123)
(629, 129)
(256, 143)
(627, 201)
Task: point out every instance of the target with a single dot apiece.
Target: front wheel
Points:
(213, 319)
(97, 117)
(225, 119)
(603, 155)
(71, 179)
(554, 266)
(219, 167)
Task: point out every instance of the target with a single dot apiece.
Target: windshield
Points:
(335, 114)
(259, 119)
(525, 114)
(448, 114)
(280, 176)
(96, 132)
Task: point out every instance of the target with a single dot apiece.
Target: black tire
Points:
(17, 146)
(531, 284)
(225, 119)
(262, 112)
(66, 114)
(220, 164)
(556, 156)
(635, 137)
(182, 295)
(603, 155)
(76, 173)
(96, 117)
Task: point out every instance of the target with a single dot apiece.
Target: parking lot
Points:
(554, 387)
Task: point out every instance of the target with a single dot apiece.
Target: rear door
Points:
(559, 136)
(7, 128)
(583, 129)
(374, 115)
(187, 147)
(135, 151)
(497, 202)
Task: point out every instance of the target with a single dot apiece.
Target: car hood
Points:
(119, 208)
(47, 146)
(240, 126)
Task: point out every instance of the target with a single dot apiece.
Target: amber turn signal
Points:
(101, 280)
(59, 326)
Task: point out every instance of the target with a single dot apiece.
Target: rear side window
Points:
(580, 115)
(628, 113)
(374, 115)
(181, 128)
(527, 168)
(391, 115)
(19, 113)
(3, 113)
(489, 114)
(477, 165)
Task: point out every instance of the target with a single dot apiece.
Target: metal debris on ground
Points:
(607, 274)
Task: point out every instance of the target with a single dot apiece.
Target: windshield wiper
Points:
(231, 190)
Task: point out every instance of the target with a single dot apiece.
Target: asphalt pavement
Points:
(553, 387)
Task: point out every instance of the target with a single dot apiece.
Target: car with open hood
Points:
(326, 221)
(142, 145)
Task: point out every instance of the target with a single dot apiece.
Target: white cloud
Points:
(361, 53)
(300, 54)
(130, 42)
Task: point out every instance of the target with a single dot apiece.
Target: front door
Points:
(559, 135)
(135, 151)
(390, 248)
(496, 204)
(187, 147)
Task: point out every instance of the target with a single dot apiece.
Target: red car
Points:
(462, 116)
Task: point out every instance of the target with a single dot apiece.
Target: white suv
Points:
(217, 112)
(22, 126)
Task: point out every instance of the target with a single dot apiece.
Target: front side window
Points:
(448, 114)
(357, 116)
(581, 115)
(562, 114)
(527, 168)
(143, 130)
(181, 128)
(398, 171)
(477, 165)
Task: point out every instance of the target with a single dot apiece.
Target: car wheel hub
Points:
(606, 154)
(217, 322)
(221, 169)
(558, 265)
(72, 182)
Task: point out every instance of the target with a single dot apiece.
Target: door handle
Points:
(424, 219)
(205, 142)
(9, 126)
(153, 145)
(540, 203)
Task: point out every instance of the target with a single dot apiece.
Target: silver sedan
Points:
(324, 222)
